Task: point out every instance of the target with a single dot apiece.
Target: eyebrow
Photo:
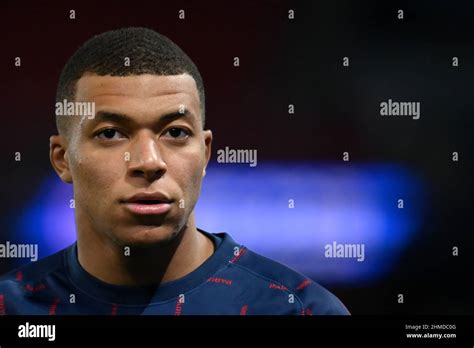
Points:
(123, 119)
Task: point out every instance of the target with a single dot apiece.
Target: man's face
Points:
(146, 137)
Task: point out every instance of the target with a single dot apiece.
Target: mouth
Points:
(155, 203)
(150, 201)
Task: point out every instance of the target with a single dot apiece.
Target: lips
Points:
(144, 203)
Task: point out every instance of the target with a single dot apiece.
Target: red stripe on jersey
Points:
(52, 309)
(237, 257)
(220, 281)
(276, 286)
(2, 304)
(179, 308)
(243, 310)
(114, 309)
(19, 276)
(304, 284)
(38, 287)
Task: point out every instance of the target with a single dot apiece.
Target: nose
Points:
(145, 158)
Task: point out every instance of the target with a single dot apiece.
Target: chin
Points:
(147, 236)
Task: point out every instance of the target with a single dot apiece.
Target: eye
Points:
(177, 133)
(110, 134)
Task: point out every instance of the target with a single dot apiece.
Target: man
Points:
(136, 164)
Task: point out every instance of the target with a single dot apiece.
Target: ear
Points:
(207, 143)
(58, 155)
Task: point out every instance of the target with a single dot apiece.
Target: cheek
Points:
(93, 178)
(187, 172)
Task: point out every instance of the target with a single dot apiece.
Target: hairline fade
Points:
(149, 52)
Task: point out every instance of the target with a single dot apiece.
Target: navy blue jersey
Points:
(232, 281)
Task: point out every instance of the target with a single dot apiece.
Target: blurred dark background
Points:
(285, 62)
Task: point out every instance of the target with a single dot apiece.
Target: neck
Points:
(103, 258)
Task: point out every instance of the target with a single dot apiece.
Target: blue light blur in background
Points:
(356, 203)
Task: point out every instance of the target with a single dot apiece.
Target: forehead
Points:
(142, 90)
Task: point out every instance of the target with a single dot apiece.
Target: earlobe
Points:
(58, 156)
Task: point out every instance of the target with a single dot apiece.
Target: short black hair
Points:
(104, 54)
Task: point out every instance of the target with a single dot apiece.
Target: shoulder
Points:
(26, 281)
(314, 298)
(34, 271)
